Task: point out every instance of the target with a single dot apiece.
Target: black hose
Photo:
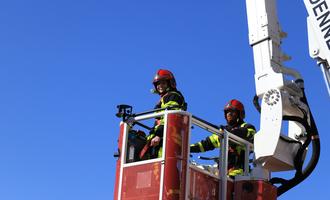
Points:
(299, 177)
(287, 185)
(256, 103)
(278, 180)
(312, 136)
(298, 160)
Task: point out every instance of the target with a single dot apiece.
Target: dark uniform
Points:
(236, 152)
(234, 114)
(172, 99)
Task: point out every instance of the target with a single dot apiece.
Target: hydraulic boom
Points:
(282, 95)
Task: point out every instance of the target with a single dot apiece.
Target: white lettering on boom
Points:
(322, 14)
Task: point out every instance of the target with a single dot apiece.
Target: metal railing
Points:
(225, 137)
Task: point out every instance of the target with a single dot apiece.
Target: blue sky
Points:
(65, 65)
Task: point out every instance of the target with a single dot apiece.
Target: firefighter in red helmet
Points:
(234, 114)
(170, 98)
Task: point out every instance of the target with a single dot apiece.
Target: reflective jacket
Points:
(173, 99)
(236, 152)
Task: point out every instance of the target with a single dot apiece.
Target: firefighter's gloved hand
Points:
(222, 127)
(155, 141)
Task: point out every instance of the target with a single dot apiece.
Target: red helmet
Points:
(163, 74)
(234, 104)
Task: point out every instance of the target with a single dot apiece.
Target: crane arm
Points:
(282, 95)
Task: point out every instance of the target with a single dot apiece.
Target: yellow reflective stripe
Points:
(170, 103)
(150, 136)
(250, 132)
(235, 172)
(239, 149)
(215, 140)
(160, 152)
(162, 122)
(201, 148)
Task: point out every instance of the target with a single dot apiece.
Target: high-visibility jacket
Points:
(173, 99)
(236, 152)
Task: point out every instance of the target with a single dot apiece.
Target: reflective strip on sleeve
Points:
(171, 103)
(235, 172)
(150, 137)
(201, 148)
(250, 132)
(160, 152)
(215, 140)
(242, 125)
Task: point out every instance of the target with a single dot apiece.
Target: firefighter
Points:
(170, 98)
(234, 114)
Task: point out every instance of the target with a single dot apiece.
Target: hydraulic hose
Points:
(301, 175)
(256, 103)
(298, 160)
(312, 136)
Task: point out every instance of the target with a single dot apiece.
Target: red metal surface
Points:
(254, 190)
(205, 187)
(141, 182)
(120, 139)
(176, 157)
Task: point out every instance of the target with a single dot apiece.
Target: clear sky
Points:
(65, 65)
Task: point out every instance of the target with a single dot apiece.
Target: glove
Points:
(222, 127)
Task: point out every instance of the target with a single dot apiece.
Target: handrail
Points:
(158, 114)
(211, 128)
(224, 165)
(225, 137)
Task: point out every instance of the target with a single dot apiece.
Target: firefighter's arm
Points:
(208, 144)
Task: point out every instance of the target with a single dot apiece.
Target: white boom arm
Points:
(280, 96)
(318, 24)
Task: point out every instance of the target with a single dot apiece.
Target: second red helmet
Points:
(163, 74)
(234, 104)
